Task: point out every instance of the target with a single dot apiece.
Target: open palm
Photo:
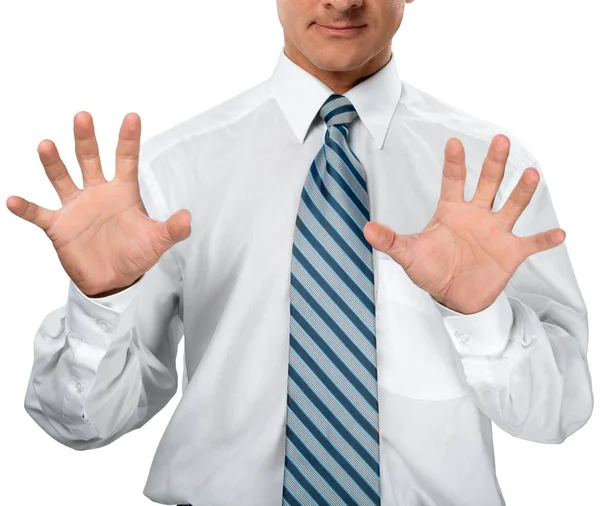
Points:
(467, 253)
(102, 235)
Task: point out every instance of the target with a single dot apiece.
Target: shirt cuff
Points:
(101, 319)
(484, 333)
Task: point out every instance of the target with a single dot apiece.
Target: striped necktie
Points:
(332, 429)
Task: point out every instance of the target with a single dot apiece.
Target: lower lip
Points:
(341, 32)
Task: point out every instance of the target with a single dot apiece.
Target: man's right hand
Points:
(103, 235)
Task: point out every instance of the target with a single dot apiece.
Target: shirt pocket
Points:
(415, 356)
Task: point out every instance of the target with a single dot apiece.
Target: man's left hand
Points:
(467, 253)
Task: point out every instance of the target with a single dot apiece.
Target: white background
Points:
(529, 66)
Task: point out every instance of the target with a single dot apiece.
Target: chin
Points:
(337, 59)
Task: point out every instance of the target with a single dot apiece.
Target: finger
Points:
(454, 172)
(56, 171)
(30, 212)
(175, 229)
(128, 148)
(542, 241)
(387, 241)
(492, 172)
(86, 149)
(519, 198)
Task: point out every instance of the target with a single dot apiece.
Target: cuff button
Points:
(104, 327)
(462, 335)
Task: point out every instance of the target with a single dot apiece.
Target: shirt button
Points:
(79, 386)
(462, 335)
(104, 327)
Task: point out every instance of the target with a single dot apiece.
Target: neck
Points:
(343, 80)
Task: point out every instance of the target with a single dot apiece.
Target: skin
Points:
(340, 62)
(464, 257)
(466, 254)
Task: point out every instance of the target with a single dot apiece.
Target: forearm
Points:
(86, 386)
(536, 383)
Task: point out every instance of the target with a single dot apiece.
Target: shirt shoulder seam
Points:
(219, 116)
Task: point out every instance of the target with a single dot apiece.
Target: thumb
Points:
(176, 228)
(384, 239)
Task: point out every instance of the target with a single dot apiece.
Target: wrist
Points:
(112, 291)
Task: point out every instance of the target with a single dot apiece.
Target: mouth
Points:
(341, 30)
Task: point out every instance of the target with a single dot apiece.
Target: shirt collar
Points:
(300, 95)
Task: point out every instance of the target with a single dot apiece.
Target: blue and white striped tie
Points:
(332, 432)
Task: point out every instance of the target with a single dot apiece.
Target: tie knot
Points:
(338, 110)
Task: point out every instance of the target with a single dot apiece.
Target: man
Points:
(358, 302)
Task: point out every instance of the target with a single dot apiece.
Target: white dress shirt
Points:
(104, 366)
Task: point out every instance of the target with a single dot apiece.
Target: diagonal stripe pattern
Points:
(332, 430)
